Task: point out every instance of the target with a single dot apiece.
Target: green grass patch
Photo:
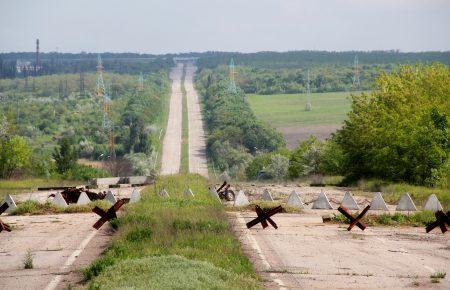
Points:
(289, 109)
(418, 219)
(170, 272)
(393, 191)
(31, 207)
(15, 186)
(184, 163)
(154, 229)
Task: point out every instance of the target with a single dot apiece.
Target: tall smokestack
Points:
(38, 62)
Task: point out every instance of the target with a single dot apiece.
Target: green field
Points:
(289, 109)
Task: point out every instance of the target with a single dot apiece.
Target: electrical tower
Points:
(308, 106)
(232, 77)
(141, 82)
(103, 95)
(356, 83)
(37, 64)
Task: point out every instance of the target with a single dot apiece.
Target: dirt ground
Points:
(304, 253)
(294, 134)
(61, 244)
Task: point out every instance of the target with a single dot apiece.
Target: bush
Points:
(400, 131)
(278, 167)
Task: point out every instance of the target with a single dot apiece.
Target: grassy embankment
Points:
(184, 163)
(172, 243)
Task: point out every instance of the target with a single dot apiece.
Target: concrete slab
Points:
(10, 201)
(349, 202)
(241, 199)
(322, 202)
(214, 193)
(378, 202)
(188, 193)
(406, 203)
(105, 181)
(433, 203)
(266, 196)
(294, 200)
(83, 199)
(163, 193)
(110, 197)
(59, 200)
(135, 196)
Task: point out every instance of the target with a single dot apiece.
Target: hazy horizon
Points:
(176, 26)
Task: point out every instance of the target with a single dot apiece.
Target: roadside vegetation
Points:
(15, 186)
(31, 207)
(417, 219)
(162, 242)
(44, 114)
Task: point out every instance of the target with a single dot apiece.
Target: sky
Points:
(174, 26)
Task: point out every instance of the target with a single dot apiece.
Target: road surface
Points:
(197, 140)
(61, 244)
(171, 153)
(304, 253)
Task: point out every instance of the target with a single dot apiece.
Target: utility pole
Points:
(356, 83)
(232, 77)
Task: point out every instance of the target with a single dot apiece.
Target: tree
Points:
(14, 155)
(278, 167)
(65, 156)
(400, 130)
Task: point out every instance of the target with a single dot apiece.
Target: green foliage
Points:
(418, 219)
(65, 156)
(234, 132)
(32, 207)
(14, 155)
(169, 272)
(278, 167)
(257, 165)
(400, 131)
(142, 164)
(157, 228)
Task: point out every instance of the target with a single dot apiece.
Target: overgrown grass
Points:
(289, 109)
(397, 219)
(154, 229)
(15, 186)
(393, 191)
(31, 207)
(265, 205)
(184, 165)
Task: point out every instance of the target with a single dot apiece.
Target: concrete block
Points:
(266, 196)
(322, 202)
(10, 201)
(294, 200)
(378, 202)
(349, 202)
(110, 197)
(135, 196)
(105, 181)
(140, 180)
(83, 199)
(163, 193)
(59, 200)
(433, 203)
(241, 199)
(188, 193)
(214, 193)
(406, 203)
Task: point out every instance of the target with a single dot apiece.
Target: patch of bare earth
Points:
(293, 134)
